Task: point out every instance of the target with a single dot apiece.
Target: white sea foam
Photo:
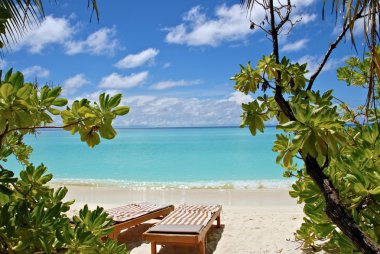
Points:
(141, 185)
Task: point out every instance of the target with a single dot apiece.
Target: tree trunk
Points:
(337, 212)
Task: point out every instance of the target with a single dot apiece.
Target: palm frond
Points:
(248, 3)
(19, 16)
(94, 6)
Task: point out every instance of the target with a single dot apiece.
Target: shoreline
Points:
(115, 195)
(177, 185)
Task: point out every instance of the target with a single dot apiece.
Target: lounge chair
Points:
(133, 214)
(186, 225)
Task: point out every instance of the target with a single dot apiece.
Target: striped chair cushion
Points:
(191, 215)
(131, 211)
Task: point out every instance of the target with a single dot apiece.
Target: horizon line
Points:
(166, 127)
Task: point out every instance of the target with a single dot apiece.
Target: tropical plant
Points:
(338, 181)
(19, 16)
(32, 214)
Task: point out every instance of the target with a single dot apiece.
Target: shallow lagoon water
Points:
(163, 158)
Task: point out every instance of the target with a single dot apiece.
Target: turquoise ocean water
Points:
(163, 158)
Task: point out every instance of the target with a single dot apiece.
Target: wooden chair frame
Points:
(158, 214)
(182, 239)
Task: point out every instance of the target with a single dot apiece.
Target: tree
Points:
(340, 176)
(32, 215)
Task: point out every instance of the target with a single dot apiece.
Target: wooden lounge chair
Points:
(133, 214)
(186, 225)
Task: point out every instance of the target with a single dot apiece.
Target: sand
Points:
(253, 221)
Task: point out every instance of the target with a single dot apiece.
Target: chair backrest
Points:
(191, 215)
(131, 211)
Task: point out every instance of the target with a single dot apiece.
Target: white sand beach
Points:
(253, 221)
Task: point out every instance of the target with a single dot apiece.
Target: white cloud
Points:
(51, 31)
(36, 71)
(313, 63)
(166, 65)
(175, 83)
(240, 98)
(168, 111)
(94, 96)
(141, 100)
(71, 85)
(3, 63)
(136, 60)
(117, 81)
(59, 31)
(358, 28)
(301, 3)
(155, 111)
(101, 42)
(229, 24)
(295, 46)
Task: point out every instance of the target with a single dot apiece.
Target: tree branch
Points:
(44, 127)
(329, 51)
(284, 105)
(348, 110)
(273, 31)
(3, 134)
(286, 18)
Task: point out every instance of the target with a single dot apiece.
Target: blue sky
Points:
(171, 60)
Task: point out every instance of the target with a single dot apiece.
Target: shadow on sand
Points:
(132, 238)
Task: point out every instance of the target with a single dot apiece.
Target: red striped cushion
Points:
(191, 215)
(131, 211)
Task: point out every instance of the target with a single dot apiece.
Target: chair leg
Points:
(115, 234)
(202, 249)
(112, 236)
(153, 249)
(218, 221)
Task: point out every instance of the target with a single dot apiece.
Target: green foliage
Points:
(358, 74)
(90, 121)
(318, 131)
(254, 116)
(32, 215)
(349, 155)
(5, 16)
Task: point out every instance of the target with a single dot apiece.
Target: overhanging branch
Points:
(330, 49)
(43, 127)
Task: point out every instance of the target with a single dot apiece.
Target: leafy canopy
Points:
(348, 154)
(32, 215)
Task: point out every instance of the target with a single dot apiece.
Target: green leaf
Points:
(107, 131)
(289, 126)
(17, 79)
(115, 101)
(54, 111)
(92, 140)
(6, 90)
(59, 102)
(8, 75)
(121, 110)
(102, 101)
(5, 190)
(55, 92)
(375, 191)
(24, 92)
